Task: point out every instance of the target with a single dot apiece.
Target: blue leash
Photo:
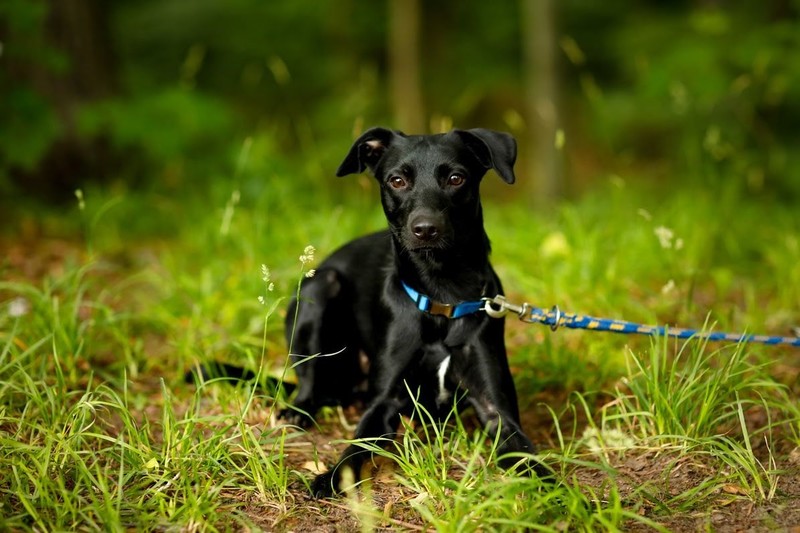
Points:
(498, 307)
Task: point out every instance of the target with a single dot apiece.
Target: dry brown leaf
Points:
(315, 467)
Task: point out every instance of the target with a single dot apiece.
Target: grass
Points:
(99, 431)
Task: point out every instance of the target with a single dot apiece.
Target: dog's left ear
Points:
(494, 149)
(366, 151)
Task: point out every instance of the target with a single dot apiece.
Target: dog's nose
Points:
(425, 230)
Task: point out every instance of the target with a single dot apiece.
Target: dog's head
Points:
(430, 183)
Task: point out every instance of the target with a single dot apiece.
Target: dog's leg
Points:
(379, 421)
(382, 417)
(490, 390)
(324, 346)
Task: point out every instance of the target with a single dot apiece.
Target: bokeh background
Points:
(161, 95)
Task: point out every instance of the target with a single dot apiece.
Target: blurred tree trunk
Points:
(541, 99)
(404, 65)
(79, 30)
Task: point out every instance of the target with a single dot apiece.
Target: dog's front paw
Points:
(324, 486)
(544, 472)
(339, 479)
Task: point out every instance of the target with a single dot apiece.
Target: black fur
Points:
(355, 303)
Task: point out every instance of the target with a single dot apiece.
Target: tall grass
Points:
(80, 452)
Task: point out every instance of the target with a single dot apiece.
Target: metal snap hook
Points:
(500, 311)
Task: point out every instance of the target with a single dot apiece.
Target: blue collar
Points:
(432, 307)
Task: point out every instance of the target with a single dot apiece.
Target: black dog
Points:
(394, 296)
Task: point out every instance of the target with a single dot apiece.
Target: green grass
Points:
(99, 431)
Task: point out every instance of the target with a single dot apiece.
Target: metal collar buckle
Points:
(445, 310)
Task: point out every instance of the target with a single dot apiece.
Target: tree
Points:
(63, 62)
(404, 65)
(541, 98)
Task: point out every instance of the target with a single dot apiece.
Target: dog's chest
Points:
(451, 332)
(432, 373)
(443, 342)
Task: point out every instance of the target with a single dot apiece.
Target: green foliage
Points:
(173, 125)
(679, 85)
(29, 124)
(29, 129)
(704, 86)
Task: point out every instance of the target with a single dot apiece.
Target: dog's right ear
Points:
(366, 151)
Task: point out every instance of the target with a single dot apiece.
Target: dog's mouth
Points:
(416, 246)
(428, 253)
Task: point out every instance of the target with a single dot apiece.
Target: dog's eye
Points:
(398, 182)
(456, 180)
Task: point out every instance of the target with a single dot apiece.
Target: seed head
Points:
(18, 307)
(665, 236)
(308, 255)
(79, 196)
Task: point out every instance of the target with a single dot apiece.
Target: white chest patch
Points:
(444, 394)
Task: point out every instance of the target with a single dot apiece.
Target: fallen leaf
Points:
(733, 489)
(315, 467)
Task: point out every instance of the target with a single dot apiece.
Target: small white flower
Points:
(18, 307)
(261, 300)
(668, 287)
(310, 273)
(264, 273)
(271, 287)
(665, 236)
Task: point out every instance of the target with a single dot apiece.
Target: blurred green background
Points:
(162, 95)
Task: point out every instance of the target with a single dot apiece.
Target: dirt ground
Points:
(668, 478)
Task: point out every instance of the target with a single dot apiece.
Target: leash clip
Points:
(496, 312)
(503, 306)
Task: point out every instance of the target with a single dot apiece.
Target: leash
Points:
(499, 307)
